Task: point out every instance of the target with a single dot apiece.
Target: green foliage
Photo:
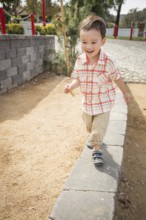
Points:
(57, 65)
(13, 28)
(75, 12)
(134, 16)
(10, 6)
(50, 8)
(110, 25)
(49, 29)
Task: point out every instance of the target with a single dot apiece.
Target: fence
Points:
(123, 32)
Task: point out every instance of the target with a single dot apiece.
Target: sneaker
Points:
(97, 157)
(89, 146)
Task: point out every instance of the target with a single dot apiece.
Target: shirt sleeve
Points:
(75, 72)
(113, 71)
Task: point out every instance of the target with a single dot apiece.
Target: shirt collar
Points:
(84, 58)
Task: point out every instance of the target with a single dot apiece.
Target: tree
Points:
(10, 7)
(77, 10)
(51, 8)
(134, 16)
(118, 5)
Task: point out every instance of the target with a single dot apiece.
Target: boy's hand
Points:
(126, 97)
(67, 88)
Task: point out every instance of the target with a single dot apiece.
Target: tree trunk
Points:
(118, 14)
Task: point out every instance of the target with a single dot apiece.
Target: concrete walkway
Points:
(89, 191)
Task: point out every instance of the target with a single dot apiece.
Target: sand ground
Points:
(41, 137)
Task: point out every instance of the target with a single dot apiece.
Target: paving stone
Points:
(81, 205)
(120, 109)
(116, 116)
(85, 176)
(117, 127)
(114, 139)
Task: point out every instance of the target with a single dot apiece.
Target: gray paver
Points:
(116, 116)
(120, 109)
(74, 205)
(85, 176)
(117, 127)
(114, 139)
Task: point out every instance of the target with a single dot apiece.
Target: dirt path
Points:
(41, 137)
(131, 199)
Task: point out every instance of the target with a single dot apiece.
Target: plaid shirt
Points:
(96, 83)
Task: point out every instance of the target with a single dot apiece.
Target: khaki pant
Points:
(96, 125)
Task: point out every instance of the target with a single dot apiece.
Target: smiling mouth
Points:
(90, 51)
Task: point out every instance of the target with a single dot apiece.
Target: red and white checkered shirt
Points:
(96, 83)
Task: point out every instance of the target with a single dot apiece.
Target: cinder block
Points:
(24, 43)
(17, 80)
(5, 64)
(32, 42)
(30, 66)
(33, 57)
(41, 49)
(40, 62)
(26, 76)
(17, 61)
(12, 72)
(21, 52)
(6, 84)
(4, 45)
(29, 50)
(15, 43)
(25, 59)
(11, 53)
(22, 69)
(3, 75)
(2, 54)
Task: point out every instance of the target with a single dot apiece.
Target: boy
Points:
(95, 73)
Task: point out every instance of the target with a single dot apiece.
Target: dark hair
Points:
(94, 22)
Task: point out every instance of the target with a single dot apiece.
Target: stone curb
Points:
(90, 191)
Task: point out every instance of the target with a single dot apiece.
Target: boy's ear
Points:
(103, 41)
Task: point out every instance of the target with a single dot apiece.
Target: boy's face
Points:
(91, 42)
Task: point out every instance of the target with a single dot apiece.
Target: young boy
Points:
(95, 73)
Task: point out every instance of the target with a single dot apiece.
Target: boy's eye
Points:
(83, 42)
(94, 42)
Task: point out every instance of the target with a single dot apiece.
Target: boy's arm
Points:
(121, 85)
(73, 85)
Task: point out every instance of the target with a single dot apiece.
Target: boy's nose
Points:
(89, 46)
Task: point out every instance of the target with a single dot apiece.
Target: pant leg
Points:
(88, 119)
(98, 129)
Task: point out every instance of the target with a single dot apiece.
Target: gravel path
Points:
(130, 56)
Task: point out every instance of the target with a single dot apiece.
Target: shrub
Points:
(49, 29)
(13, 28)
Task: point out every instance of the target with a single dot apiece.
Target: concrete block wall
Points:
(22, 58)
